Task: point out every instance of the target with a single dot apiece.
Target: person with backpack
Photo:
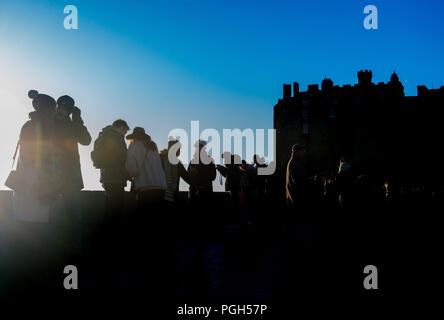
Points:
(69, 132)
(109, 155)
(144, 165)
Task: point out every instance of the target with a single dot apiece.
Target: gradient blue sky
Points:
(161, 64)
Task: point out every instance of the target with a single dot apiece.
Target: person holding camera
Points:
(69, 131)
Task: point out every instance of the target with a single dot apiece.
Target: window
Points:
(305, 128)
(332, 114)
(304, 114)
(335, 100)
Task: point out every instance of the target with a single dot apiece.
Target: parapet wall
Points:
(93, 204)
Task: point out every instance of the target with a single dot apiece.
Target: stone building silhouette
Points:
(380, 130)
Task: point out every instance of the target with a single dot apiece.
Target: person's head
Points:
(65, 105)
(298, 150)
(227, 157)
(139, 134)
(122, 126)
(200, 145)
(174, 143)
(42, 102)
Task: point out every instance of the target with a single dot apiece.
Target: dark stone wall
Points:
(93, 204)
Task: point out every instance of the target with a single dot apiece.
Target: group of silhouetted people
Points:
(48, 175)
(48, 169)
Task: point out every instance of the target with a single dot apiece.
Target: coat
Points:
(37, 167)
(296, 181)
(145, 166)
(202, 176)
(67, 135)
(115, 172)
(173, 173)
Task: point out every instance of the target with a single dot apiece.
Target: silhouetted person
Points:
(260, 180)
(232, 174)
(297, 177)
(144, 165)
(173, 172)
(69, 131)
(202, 172)
(344, 181)
(34, 195)
(36, 163)
(109, 155)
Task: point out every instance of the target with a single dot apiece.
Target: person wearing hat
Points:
(297, 176)
(33, 199)
(202, 172)
(174, 170)
(36, 165)
(144, 166)
(69, 132)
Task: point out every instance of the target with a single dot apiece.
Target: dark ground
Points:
(288, 260)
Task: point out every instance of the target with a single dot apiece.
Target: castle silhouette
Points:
(383, 132)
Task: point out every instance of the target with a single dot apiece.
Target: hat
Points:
(137, 132)
(297, 147)
(41, 102)
(65, 102)
(121, 123)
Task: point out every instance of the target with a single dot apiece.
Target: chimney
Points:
(422, 91)
(287, 91)
(295, 89)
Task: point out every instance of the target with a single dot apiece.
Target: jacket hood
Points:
(111, 128)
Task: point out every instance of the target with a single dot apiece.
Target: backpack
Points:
(99, 155)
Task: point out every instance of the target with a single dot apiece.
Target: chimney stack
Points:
(287, 91)
(295, 89)
(422, 91)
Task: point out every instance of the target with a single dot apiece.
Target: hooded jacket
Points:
(145, 166)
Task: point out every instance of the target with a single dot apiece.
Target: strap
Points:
(15, 153)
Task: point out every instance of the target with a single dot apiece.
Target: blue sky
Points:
(161, 64)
